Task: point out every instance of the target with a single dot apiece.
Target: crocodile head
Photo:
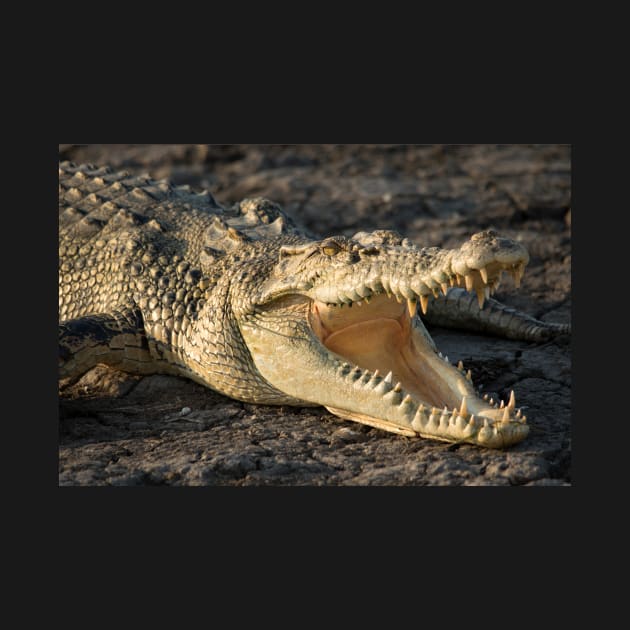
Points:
(336, 324)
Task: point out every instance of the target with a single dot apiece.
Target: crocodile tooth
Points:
(463, 411)
(492, 401)
(453, 418)
(486, 292)
(408, 406)
(481, 297)
(436, 293)
(460, 366)
(506, 415)
(484, 275)
(473, 421)
(446, 359)
(388, 378)
(519, 414)
(419, 421)
(451, 281)
(343, 369)
(517, 274)
(501, 405)
(424, 303)
(359, 303)
(383, 387)
(444, 287)
(434, 418)
(461, 424)
(469, 281)
(512, 402)
(393, 397)
(366, 299)
(412, 306)
(398, 387)
(444, 417)
(485, 396)
(469, 376)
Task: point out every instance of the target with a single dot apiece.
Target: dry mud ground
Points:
(117, 429)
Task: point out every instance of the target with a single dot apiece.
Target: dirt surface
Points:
(119, 429)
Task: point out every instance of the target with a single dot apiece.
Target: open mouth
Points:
(379, 336)
(382, 339)
(364, 354)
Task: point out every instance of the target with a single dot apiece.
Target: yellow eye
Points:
(330, 250)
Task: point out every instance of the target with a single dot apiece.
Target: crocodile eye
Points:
(330, 249)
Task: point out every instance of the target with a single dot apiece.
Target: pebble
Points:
(185, 411)
(347, 435)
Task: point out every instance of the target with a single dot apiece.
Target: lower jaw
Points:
(377, 423)
(435, 399)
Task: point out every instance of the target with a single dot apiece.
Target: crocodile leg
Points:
(117, 339)
(460, 309)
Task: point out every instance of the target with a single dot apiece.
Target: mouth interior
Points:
(381, 336)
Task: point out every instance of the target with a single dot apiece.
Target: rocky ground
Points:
(118, 429)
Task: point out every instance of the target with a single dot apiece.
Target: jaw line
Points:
(290, 350)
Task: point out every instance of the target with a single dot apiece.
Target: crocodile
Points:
(159, 278)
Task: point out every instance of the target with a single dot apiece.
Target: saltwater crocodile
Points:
(156, 278)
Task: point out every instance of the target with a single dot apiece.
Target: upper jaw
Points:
(403, 271)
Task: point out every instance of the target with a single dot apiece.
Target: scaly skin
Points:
(154, 278)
